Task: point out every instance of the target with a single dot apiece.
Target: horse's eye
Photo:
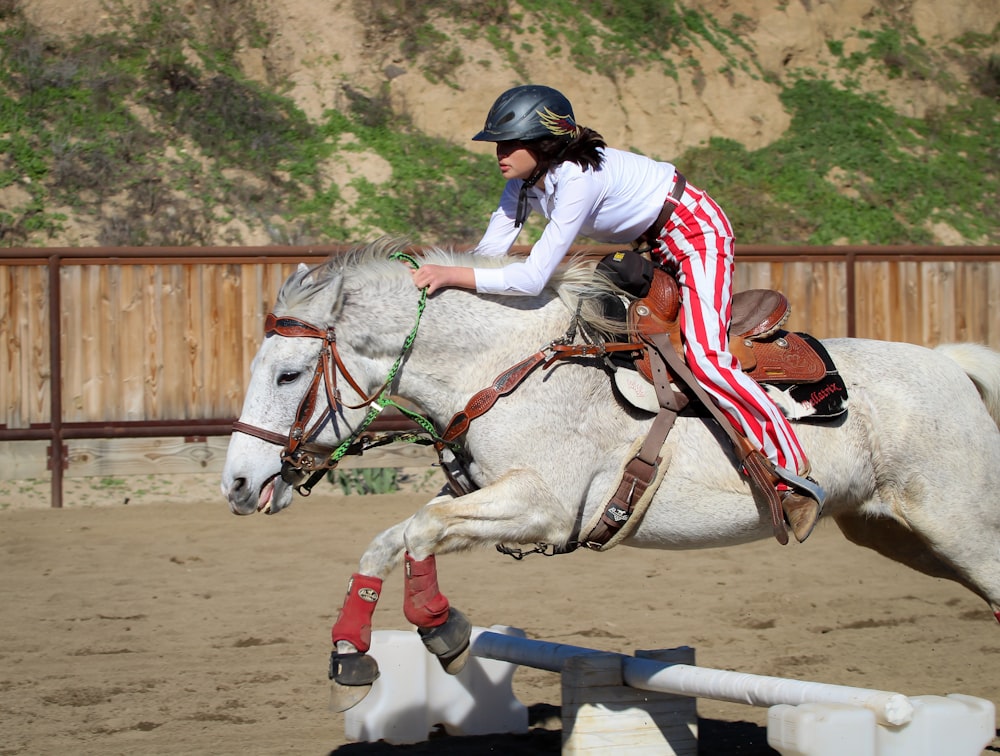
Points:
(288, 377)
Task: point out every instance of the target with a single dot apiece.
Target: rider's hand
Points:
(436, 277)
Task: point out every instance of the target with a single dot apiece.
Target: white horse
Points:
(912, 469)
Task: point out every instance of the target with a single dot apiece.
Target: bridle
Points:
(303, 462)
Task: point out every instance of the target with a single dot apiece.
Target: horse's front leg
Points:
(517, 508)
(352, 671)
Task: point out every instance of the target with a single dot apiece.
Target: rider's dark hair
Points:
(582, 149)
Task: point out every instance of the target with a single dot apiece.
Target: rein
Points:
(300, 457)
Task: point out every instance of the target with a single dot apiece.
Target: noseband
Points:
(300, 457)
(299, 454)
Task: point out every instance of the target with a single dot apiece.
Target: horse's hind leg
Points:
(891, 539)
(897, 542)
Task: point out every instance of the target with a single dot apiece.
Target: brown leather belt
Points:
(652, 234)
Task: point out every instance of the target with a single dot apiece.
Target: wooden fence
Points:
(156, 342)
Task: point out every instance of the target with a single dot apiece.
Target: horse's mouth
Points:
(266, 494)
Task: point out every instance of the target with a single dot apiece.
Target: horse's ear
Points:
(336, 289)
(303, 273)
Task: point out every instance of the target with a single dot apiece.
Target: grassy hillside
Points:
(153, 134)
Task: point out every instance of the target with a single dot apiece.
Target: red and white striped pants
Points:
(698, 242)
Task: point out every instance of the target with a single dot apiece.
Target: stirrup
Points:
(806, 485)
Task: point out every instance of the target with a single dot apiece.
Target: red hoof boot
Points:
(802, 513)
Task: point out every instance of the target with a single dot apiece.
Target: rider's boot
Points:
(802, 501)
(802, 513)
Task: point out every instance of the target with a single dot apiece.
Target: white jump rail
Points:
(699, 682)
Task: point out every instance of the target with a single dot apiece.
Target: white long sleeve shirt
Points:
(614, 204)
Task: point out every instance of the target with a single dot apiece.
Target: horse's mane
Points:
(574, 282)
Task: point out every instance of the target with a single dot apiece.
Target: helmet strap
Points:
(522, 197)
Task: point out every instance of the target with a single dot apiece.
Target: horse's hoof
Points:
(449, 642)
(344, 697)
(351, 678)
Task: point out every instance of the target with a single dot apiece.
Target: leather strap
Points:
(278, 439)
(762, 479)
(642, 469)
(483, 400)
(756, 465)
(650, 236)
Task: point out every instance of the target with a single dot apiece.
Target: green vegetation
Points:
(157, 134)
(366, 480)
(70, 126)
(851, 168)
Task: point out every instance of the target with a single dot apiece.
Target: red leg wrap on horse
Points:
(423, 604)
(354, 623)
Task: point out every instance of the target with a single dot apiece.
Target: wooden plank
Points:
(602, 715)
(26, 332)
(197, 303)
(133, 327)
(992, 335)
(10, 349)
(23, 460)
(800, 290)
(93, 319)
(880, 308)
(911, 300)
(73, 370)
(864, 314)
(893, 302)
(38, 373)
(934, 277)
(183, 312)
(113, 339)
(225, 357)
(151, 349)
(972, 295)
(803, 292)
(832, 320)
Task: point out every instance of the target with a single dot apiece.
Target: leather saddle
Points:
(765, 351)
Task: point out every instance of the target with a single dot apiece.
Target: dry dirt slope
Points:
(318, 46)
(317, 50)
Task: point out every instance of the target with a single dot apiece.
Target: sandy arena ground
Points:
(165, 625)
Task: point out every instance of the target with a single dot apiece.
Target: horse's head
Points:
(302, 400)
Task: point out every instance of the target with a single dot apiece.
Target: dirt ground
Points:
(165, 625)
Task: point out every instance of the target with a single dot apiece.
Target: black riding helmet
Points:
(528, 112)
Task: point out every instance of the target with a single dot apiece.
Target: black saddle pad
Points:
(823, 399)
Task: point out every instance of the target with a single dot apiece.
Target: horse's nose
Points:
(240, 497)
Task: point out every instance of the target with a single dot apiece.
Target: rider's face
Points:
(516, 160)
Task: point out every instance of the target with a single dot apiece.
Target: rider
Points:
(583, 187)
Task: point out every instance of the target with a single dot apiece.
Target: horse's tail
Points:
(982, 365)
